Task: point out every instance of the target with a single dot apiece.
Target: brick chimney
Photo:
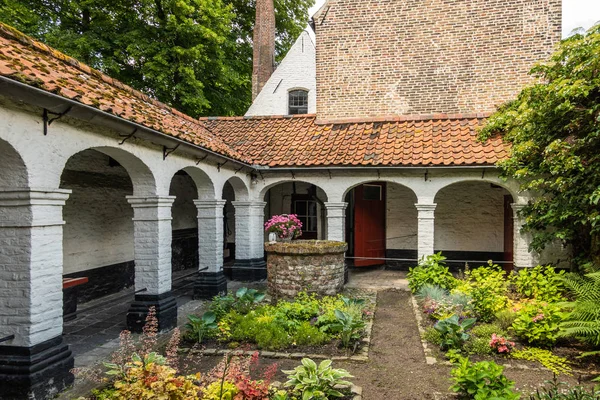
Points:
(263, 60)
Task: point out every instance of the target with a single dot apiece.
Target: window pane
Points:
(298, 102)
(301, 207)
(371, 192)
(312, 208)
(303, 220)
(312, 224)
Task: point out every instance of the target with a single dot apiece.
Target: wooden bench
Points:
(70, 294)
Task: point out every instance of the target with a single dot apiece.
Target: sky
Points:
(576, 14)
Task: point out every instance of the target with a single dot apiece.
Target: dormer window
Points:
(298, 101)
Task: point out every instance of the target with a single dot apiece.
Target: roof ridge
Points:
(10, 32)
(255, 117)
(402, 118)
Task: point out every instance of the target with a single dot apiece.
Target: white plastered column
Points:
(336, 221)
(152, 253)
(522, 257)
(31, 299)
(426, 229)
(211, 280)
(249, 241)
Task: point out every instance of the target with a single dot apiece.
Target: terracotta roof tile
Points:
(28, 61)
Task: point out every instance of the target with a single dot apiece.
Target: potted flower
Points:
(285, 227)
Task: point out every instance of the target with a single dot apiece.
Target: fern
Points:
(583, 322)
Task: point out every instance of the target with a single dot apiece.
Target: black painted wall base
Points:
(249, 270)
(37, 372)
(209, 285)
(166, 311)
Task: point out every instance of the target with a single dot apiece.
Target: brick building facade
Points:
(393, 57)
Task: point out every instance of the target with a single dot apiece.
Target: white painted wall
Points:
(470, 217)
(401, 218)
(296, 71)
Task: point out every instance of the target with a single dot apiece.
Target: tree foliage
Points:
(195, 55)
(554, 129)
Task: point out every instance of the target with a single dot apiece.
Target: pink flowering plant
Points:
(501, 344)
(285, 226)
(538, 323)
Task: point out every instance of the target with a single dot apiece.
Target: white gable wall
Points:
(296, 71)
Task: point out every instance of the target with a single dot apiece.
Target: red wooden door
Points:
(369, 223)
(508, 233)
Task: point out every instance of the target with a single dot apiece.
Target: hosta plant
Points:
(199, 327)
(316, 382)
(348, 326)
(454, 332)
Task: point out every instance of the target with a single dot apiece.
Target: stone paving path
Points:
(377, 278)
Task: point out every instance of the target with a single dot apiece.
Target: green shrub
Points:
(505, 319)
(481, 381)
(538, 323)
(432, 336)
(309, 335)
(583, 320)
(477, 345)
(542, 283)
(485, 331)
(272, 337)
(488, 288)
(431, 292)
(348, 326)
(431, 270)
(556, 364)
(454, 332)
(309, 381)
(200, 327)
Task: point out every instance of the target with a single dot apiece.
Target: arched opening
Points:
(14, 172)
(303, 199)
(98, 238)
(381, 223)
(184, 225)
(474, 222)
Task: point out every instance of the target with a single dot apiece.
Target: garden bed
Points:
(520, 321)
(336, 327)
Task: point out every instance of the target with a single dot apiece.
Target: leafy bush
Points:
(199, 327)
(482, 381)
(485, 331)
(310, 381)
(148, 377)
(505, 319)
(488, 288)
(432, 336)
(309, 335)
(439, 304)
(583, 321)
(561, 391)
(538, 323)
(431, 270)
(453, 331)
(542, 283)
(476, 345)
(556, 364)
(220, 391)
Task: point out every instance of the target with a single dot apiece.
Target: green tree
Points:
(554, 129)
(195, 55)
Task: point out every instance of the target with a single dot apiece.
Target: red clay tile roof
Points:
(431, 140)
(28, 61)
(278, 141)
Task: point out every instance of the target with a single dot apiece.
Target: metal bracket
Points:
(238, 170)
(166, 151)
(426, 174)
(201, 159)
(329, 174)
(127, 137)
(293, 175)
(220, 165)
(378, 175)
(483, 174)
(48, 121)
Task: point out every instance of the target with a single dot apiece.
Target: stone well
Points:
(315, 266)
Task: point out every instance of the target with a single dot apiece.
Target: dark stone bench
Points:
(70, 294)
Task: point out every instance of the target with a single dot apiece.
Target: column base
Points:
(209, 285)
(36, 372)
(254, 269)
(166, 311)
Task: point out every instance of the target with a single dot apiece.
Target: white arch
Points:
(142, 178)
(264, 190)
(511, 187)
(386, 180)
(240, 188)
(204, 185)
(13, 171)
